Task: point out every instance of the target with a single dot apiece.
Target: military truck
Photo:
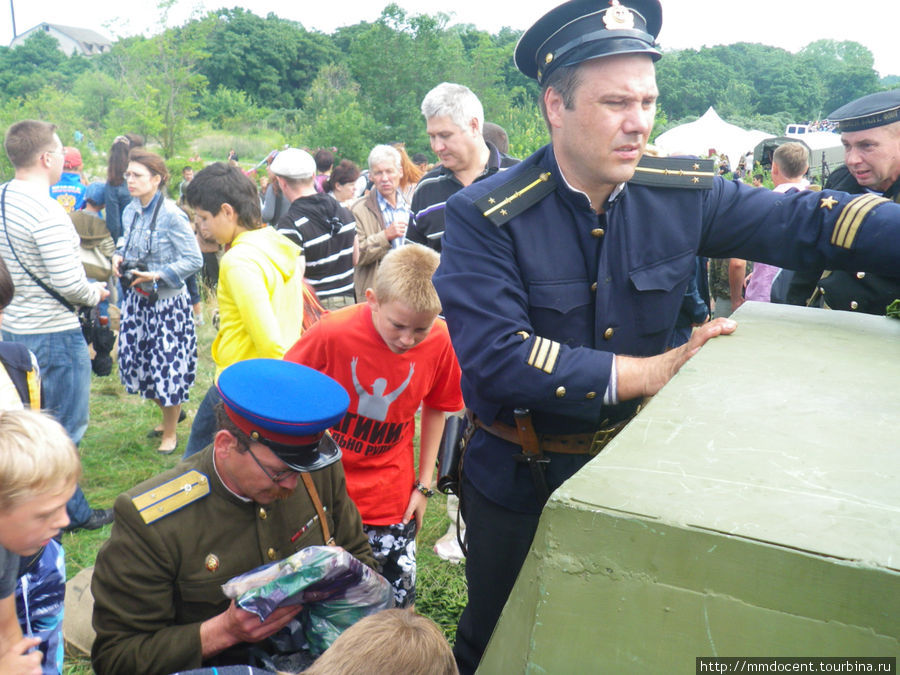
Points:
(826, 153)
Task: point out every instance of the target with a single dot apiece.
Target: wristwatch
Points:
(428, 492)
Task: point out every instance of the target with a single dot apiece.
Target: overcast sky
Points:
(790, 24)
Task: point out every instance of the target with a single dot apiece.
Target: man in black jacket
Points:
(454, 120)
(870, 132)
(324, 229)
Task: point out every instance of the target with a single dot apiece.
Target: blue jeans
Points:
(203, 429)
(66, 382)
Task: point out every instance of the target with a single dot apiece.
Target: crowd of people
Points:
(540, 300)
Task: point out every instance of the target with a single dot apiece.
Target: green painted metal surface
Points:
(751, 509)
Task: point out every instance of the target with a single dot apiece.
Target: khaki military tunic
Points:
(155, 583)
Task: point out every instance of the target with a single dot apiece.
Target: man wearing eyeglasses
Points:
(269, 485)
(40, 247)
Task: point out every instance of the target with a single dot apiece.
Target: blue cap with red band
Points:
(287, 407)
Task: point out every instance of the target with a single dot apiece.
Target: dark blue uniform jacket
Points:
(538, 306)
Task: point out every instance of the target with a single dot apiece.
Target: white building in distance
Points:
(71, 40)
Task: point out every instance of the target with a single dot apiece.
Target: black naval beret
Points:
(874, 110)
(286, 407)
(579, 30)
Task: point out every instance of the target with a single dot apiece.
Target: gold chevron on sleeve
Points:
(851, 217)
(544, 354)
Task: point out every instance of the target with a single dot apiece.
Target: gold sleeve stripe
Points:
(535, 347)
(544, 354)
(851, 217)
(552, 357)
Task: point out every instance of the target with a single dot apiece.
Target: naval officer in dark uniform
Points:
(238, 504)
(870, 132)
(562, 277)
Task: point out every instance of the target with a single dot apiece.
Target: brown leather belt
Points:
(590, 443)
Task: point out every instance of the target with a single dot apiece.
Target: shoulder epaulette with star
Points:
(674, 172)
(171, 496)
(513, 197)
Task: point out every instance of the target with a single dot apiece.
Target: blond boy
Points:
(391, 641)
(392, 354)
(39, 469)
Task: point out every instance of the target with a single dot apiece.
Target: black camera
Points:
(127, 268)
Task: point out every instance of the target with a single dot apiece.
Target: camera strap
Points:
(56, 296)
(152, 227)
(151, 230)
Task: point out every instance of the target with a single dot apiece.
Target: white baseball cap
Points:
(294, 163)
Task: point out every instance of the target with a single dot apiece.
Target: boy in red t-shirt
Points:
(392, 354)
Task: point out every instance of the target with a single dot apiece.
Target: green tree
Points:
(50, 104)
(749, 79)
(228, 108)
(846, 71)
(691, 81)
(504, 92)
(271, 59)
(526, 129)
(783, 84)
(396, 60)
(97, 94)
(334, 116)
(37, 62)
(161, 82)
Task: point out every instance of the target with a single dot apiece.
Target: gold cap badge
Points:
(618, 17)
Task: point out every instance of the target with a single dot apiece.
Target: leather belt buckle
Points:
(601, 438)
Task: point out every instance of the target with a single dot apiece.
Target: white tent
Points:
(710, 131)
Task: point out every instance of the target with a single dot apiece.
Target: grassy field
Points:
(117, 454)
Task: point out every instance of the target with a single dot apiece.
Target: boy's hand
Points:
(17, 662)
(416, 507)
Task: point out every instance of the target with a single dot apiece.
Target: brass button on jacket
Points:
(560, 392)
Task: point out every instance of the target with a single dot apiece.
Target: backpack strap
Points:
(17, 361)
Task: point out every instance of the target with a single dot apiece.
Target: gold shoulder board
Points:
(171, 496)
(515, 196)
(674, 172)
